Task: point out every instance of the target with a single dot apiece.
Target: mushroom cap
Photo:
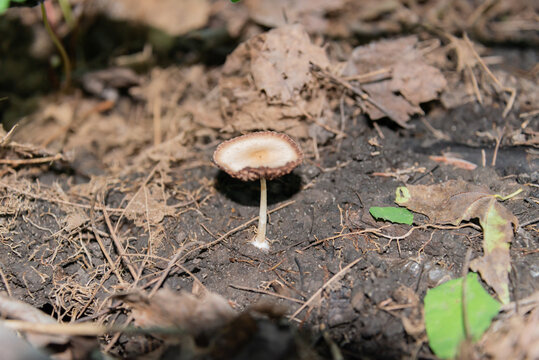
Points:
(264, 154)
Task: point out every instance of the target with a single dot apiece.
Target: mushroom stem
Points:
(260, 239)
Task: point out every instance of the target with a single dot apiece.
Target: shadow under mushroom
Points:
(247, 193)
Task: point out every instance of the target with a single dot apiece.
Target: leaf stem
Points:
(503, 198)
(59, 46)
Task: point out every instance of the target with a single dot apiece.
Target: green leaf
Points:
(394, 214)
(444, 320)
(3, 5)
(235, 1)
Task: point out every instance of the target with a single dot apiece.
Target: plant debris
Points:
(267, 83)
(109, 188)
(412, 80)
(456, 201)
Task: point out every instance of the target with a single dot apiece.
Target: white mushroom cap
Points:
(264, 154)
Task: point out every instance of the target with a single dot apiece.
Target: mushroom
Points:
(259, 155)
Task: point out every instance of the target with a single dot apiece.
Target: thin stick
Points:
(235, 230)
(244, 288)
(165, 273)
(103, 279)
(157, 120)
(152, 292)
(4, 141)
(496, 147)
(6, 283)
(328, 283)
(119, 247)
(362, 77)
(58, 201)
(390, 237)
(83, 329)
(474, 85)
(358, 92)
(195, 279)
(511, 91)
(17, 162)
(102, 245)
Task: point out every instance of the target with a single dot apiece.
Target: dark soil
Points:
(62, 270)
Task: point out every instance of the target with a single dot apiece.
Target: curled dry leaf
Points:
(267, 82)
(192, 313)
(413, 81)
(455, 201)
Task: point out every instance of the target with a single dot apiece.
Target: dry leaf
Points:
(167, 308)
(396, 105)
(74, 218)
(148, 205)
(515, 338)
(417, 81)
(455, 201)
(176, 17)
(310, 13)
(267, 83)
(412, 82)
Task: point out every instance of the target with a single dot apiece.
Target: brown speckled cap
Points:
(264, 154)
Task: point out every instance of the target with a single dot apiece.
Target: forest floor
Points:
(112, 212)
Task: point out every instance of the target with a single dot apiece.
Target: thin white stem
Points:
(260, 239)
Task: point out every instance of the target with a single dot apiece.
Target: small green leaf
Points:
(394, 214)
(235, 1)
(444, 320)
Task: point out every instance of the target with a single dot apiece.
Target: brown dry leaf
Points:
(417, 81)
(455, 201)
(14, 153)
(413, 81)
(396, 105)
(175, 17)
(106, 141)
(528, 137)
(310, 13)
(516, 338)
(148, 205)
(166, 152)
(74, 218)
(267, 83)
(167, 308)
